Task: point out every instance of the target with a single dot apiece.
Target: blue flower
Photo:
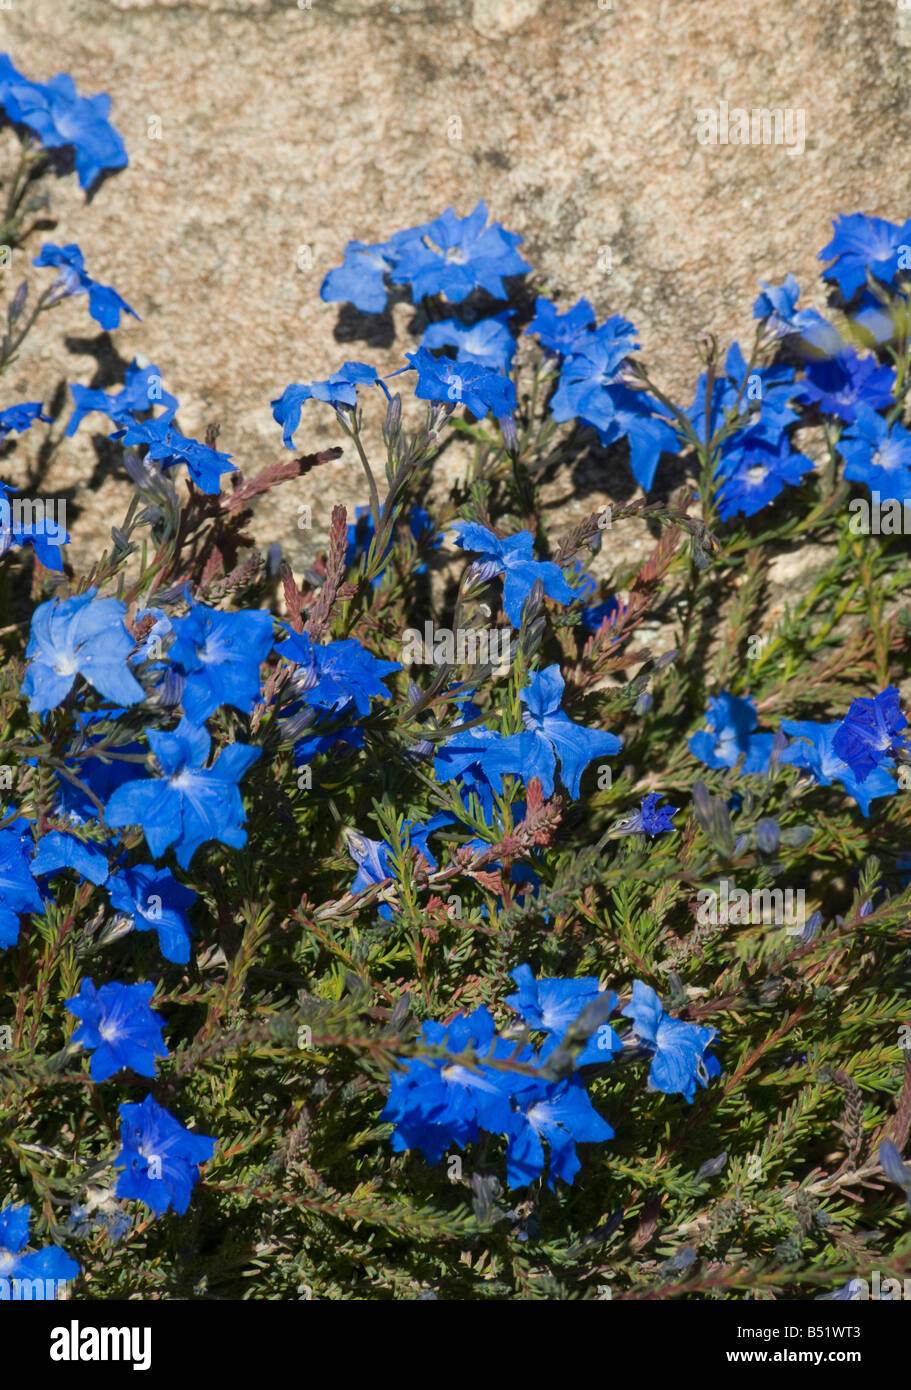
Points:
(652, 819)
(637, 419)
(561, 1114)
(680, 1050)
(105, 304)
(561, 333)
(761, 397)
(155, 901)
(839, 385)
(161, 1158)
(434, 1102)
(339, 390)
(141, 391)
(220, 655)
(360, 279)
(549, 735)
(118, 1027)
(778, 306)
(317, 743)
(814, 749)
(731, 734)
(170, 447)
(16, 1264)
(593, 365)
(512, 557)
(863, 243)
(454, 256)
(592, 390)
(57, 850)
(85, 636)
(60, 116)
(18, 890)
(870, 732)
(753, 472)
(333, 675)
(464, 383)
(489, 342)
(372, 857)
(462, 755)
(551, 1005)
(21, 417)
(876, 455)
(189, 803)
(595, 616)
(27, 524)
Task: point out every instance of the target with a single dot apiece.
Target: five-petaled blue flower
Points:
(651, 819)
(83, 635)
(753, 473)
(592, 389)
(470, 384)
(28, 523)
(155, 901)
(862, 244)
(219, 656)
(680, 1050)
(167, 445)
(455, 255)
(189, 803)
(814, 749)
(840, 385)
(160, 1157)
(331, 675)
(105, 304)
(777, 305)
(372, 857)
(21, 417)
(339, 390)
(561, 333)
(435, 1102)
(59, 116)
(870, 732)
(118, 1027)
(560, 1113)
(877, 455)
(550, 1005)
(488, 342)
(360, 279)
(549, 735)
(142, 390)
(512, 557)
(462, 755)
(731, 734)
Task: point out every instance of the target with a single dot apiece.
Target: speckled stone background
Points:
(287, 125)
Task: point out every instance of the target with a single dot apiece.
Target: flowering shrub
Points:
(360, 928)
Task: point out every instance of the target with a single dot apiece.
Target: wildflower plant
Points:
(324, 972)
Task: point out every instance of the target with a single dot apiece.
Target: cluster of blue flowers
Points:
(85, 654)
(471, 1079)
(859, 751)
(752, 408)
